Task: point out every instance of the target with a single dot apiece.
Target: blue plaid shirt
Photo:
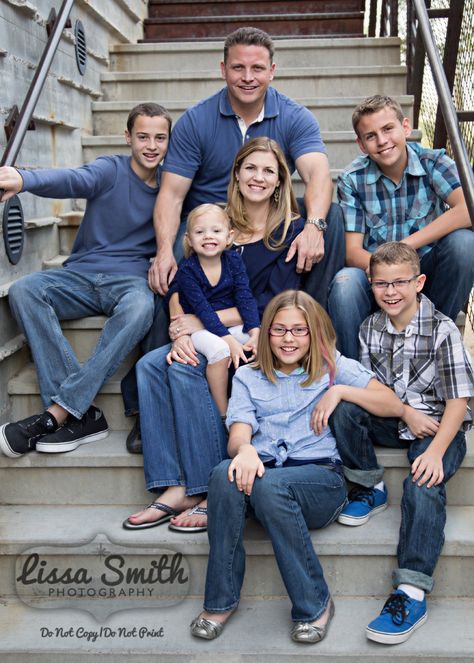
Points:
(386, 212)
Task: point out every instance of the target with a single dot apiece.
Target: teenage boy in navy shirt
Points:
(418, 352)
(106, 273)
(399, 191)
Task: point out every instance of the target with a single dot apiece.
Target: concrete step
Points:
(68, 227)
(90, 475)
(183, 56)
(345, 81)
(333, 113)
(357, 561)
(341, 147)
(259, 631)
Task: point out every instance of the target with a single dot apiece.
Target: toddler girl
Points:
(211, 279)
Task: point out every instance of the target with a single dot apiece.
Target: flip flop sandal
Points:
(201, 510)
(159, 507)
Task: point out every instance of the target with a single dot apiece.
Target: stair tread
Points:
(111, 452)
(249, 18)
(259, 631)
(57, 525)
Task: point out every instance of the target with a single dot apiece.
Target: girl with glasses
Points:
(284, 464)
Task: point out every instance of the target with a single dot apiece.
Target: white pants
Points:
(213, 347)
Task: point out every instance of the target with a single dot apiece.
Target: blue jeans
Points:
(449, 268)
(287, 501)
(39, 301)
(182, 433)
(423, 509)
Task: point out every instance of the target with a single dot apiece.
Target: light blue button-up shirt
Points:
(280, 413)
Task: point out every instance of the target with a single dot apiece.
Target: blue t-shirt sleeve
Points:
(87, 181)
(244, 300)
(351, 372)
(190, 289)
(304, 133)
(184, 154)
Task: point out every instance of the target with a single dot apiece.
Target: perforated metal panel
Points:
(13, 229)
(81, 50)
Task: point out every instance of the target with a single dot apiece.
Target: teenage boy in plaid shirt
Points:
(418, 352)
(399, 191)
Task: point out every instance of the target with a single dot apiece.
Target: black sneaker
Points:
(93, 426)
(18, 438)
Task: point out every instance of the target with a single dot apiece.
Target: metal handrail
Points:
(447, 107)
(17, 136)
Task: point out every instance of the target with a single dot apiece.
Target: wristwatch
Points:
(319, 223)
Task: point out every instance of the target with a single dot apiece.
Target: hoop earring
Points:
(276, 195)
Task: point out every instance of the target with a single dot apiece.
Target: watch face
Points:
(320, 224)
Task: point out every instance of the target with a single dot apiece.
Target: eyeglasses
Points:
(399, 284)
(276, 330)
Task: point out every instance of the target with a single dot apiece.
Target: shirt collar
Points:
(421, 324)
(270, 107)
(413, 167)
(298, 371)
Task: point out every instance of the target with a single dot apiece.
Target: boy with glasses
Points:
(418, 352)
(399, 191)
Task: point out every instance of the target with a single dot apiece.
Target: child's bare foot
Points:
(170, 503)
(194, 520)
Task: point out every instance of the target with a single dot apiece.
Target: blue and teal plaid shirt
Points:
(386, 212)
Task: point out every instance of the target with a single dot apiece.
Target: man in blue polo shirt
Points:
(207, 138)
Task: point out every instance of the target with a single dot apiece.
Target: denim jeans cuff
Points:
(415, 578)
(233, 606)
(197, 490)
(366, 478)
(68, 408)
(156, 486)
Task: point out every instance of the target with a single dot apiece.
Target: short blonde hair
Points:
(321, 356)
(284, 210)
(395, 253)
(373, 104)
(196, 213)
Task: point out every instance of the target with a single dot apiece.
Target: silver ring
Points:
(177, 330)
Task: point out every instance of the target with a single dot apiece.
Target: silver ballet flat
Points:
(304, 632)
(205, 628)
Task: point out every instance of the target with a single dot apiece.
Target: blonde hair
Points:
(284, 210)
(321, 356)
(395, 253)
(196, 213)
(373, 104)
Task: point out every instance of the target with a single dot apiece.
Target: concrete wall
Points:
(62, 116)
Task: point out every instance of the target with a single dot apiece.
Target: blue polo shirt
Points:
(207, 137)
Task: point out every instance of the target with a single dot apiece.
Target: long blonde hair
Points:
(321, 356)
(284, 210)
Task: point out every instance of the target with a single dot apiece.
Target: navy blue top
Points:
(206, 138)
(116, 235)
(267, 270)
(198, 296)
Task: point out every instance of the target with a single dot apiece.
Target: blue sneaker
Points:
(363, 504)
(400, 617)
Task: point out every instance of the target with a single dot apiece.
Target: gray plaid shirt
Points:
(426, 364)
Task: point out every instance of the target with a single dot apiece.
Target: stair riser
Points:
(346, 575)
(311, 86)
(330, 118)
(126, 485)
(229, 8)
(351, 25)
(298, 56)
